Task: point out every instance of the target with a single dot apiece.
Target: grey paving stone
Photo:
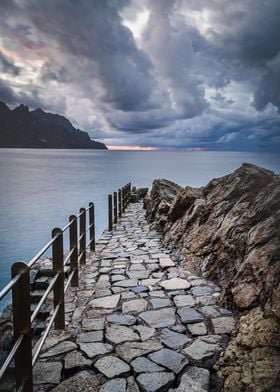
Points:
(160, 302)
(115, 385)
(189, 315)
(92, 336)
(166, 262)
(106, 302)
(111, 366)
(173, 339)
(199, 375)
(209, 311)
(131, 350)
(169, 359)
(150, 282)
(92, 324)
(119, 333)
(126, 283)
(132, 385)
(144, 365)
(138, 274)
(121, 319)
(197, 329)
(184, 300)
(139, 289)
(135, 305)
(159, 318)
(145, 332)
(59, 349)
(175, 284)
(47, 373)
(80, 382)
(223, 325)
(200, 350)
(155, 382)
(117, 278)
(201, 291)
(94, 349)
(75, 359)
(137, 267)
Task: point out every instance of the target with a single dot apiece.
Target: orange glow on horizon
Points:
(133, 148)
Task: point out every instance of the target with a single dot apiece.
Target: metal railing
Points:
(117, 204)
(21, 351)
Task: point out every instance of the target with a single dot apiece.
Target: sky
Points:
(160, 74)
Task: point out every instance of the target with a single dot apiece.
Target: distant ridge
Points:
(21, 128)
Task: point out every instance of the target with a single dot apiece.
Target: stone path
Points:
(137, 321)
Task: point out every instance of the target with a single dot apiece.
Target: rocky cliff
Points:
(228, 231)
(21, 128)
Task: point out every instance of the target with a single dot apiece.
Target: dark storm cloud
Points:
(8, 66)
(204, 73)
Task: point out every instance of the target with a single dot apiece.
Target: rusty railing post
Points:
(115, 207)
(82, 238)
(22, 326)
(120, 202)
(58, 267)
(110, 213)
(92, 227)
(73, 241)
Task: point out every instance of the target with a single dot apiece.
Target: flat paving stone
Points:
(93, 324)
(115, 385)
(94, 349)
(169, 359)
(201, 291)
(145, 332)
(47, 373)
(75, 359)
(160, 302)
(122, 319)
(119, 333)
(184, 300)
(138, 274)
(173, 339)
(197, 329)
(189, 315)
(140, 289)
(59, 349)
(117, 278)
(166, 262)
(209, 311)
(111, 366)
(175, 284)
(109, 302)
(144, 365)
(136, 306)
(137, 267)
(159, 318)
(200, 350)
(150, 282)
(92, 336)
(131, 350)
(126, 283)
(199, 375)
(155, 382)
(223, 325)
(80, 382)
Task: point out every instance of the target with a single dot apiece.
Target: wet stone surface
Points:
(137, 322)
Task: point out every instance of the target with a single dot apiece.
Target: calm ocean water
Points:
(39, 189)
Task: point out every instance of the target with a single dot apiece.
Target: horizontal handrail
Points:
(23, 319)
(9, 286)
(67, 258)
(44, 337)
(11, 355)
(41, 252)
(44, 297)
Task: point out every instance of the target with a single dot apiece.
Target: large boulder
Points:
(229, 232)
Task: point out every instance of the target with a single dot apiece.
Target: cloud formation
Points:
(172, 73)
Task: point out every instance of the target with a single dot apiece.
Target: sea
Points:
(39, 188)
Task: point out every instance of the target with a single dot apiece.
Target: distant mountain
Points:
(21, 128)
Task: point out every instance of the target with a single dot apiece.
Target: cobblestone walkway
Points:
(137, 321)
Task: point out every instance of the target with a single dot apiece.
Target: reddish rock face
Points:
(229, 232)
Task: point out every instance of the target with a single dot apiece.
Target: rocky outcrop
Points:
(228, 231)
